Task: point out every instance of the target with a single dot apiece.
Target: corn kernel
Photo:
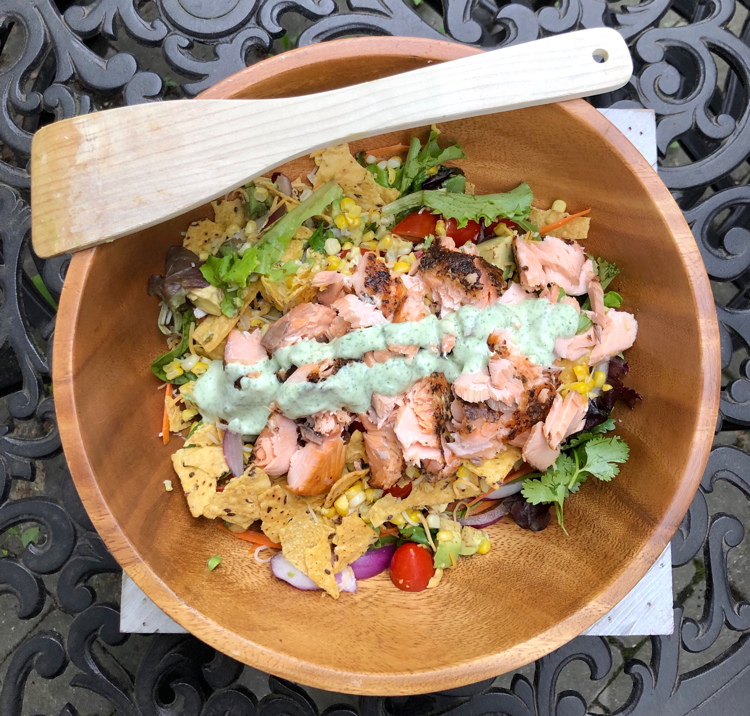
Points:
(600, 378)
(188, 414)
(348, 245)
(440, 228)
(579, 386)
(340, 221)
(401, 267)
(355, 211)
(332, 246)
(356, 501)
(200, 368)
(581, 371)
(257, 322)
(355, 222)
(412, 472)
(398, 520)
(445, 536)
(431, 171)
(329, 512)
(501, 230)
(433, 521)
(414, 515)
(368, 236)
(355, 489)
(391, 175)
(250, 228)
(375, 216)
(559, 205)
(411, 258)
(463, 472)
(342, 505)
(589, 384)
(583, 388)
(232, 229)
(370, 494)
(606, 387)
(289, 280)
(260, 193)
(333, 262)
(347, 204)
(484, 546)
(369, 243)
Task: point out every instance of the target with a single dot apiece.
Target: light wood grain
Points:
(101, 176)
(532, 592)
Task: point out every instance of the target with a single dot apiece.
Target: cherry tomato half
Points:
(422, 223)
(397, 491)
(411, 567)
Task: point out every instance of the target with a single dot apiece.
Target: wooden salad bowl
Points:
(533, 591)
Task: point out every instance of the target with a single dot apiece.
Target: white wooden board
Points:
(645, 610)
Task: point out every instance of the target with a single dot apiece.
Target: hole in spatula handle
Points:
(600, 56)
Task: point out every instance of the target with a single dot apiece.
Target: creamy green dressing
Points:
(532, 325)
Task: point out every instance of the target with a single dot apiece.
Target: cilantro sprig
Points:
(592, 454)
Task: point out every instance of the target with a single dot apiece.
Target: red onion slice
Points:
(283, 183)
(283, 569)
(232, 446)
(486, 518)
(504, 490)
(373, 562)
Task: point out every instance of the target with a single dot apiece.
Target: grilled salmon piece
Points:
(476, 430)
(566, 416)
(615, 337)
(276, 444)
(243, 347)
(577, 346)
(374, 279)
(420, 422)
(384, 456)
(315, 467)
(307, 321)
(457, 278)
(552, 260)
(332, 283)
(537, 451)
(357, 312)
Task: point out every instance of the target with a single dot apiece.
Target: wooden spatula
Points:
(101, 176)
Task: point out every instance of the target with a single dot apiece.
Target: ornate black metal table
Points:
(60, 648)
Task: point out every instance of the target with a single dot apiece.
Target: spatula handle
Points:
(101, 176)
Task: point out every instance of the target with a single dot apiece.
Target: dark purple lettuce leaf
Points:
(437, 180)
(527, 516)
(182, 274)
(618, 368)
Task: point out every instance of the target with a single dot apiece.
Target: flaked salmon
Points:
(537, 451)
(577, 346)
(552, 260)
(315, 467)
(615, 337)
(307, 321)
(332, 285)
(276, 444)
(374, 279)
(358, 313)
(566, 416)
(243, 347)
(384, 456)
(476, 430)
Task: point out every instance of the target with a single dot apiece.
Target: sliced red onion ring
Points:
(268, 219)
(504, 490)
(232, 446)
(283, 183)
(283, 569)
(373, 562)
(486, 518)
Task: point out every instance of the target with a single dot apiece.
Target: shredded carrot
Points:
(393, 149)
(557, 224)
(165, 416)
(257, 538)
(480, 497)
(523, 470)
(387, 531)
(486, 505)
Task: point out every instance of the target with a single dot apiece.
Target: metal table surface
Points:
(58, 583)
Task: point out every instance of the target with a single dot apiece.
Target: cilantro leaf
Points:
(514, 205)
(606, 272)
(317, 241)
(378, 174)
(420, 159)
(600, 429)
(603, 455)
(612, 299)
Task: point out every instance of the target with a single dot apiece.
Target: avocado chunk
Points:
(447, 553)
(498, 252)
(207, 299)
(471, 538)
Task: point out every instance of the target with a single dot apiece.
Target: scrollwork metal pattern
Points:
(61, 59)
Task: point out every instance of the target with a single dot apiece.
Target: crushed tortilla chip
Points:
(294, 250)
(300, 185)
(186, 392)
(199, 469)
(204, 237)
(358, 184)
(277, 508)
(470, 188)
(172, 404)
(301, 290)
(213, 330)
(575, 229)
(205, 435)
(355, 448)
(302, 234)
(422, 495)
(352, 538)
(306, 544)
(228, 212)
(239, 503)
(435, 579)
(495, 469)
(342, 485)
